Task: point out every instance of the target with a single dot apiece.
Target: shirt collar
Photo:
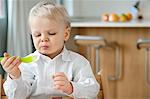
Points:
(64, 55)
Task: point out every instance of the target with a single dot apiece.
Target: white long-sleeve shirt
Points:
(36, 77)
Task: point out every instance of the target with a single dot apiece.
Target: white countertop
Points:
(98, 23)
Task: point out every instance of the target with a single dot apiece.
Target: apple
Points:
(113, 17)
(105, 17)
(123, 18)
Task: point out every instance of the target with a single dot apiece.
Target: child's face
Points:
(48, 35)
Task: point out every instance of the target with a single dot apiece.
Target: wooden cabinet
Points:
(131, 84)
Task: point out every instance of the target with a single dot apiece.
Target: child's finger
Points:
(17, 60)
(15, 68)
(6, 55)
(9, 61)
(59, 87)
(3, 61)
(59, 74)
(61, 83)
(59, 78)
(15, 63)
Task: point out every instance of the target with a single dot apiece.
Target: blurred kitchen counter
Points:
(145, 23)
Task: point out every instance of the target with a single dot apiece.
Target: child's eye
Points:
(52, 33)
(36, 35)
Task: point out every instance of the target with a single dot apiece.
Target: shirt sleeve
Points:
(20, 88)
(84, 84)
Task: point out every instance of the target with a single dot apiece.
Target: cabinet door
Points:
(131, 84)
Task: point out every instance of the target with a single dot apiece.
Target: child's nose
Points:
(45, 38)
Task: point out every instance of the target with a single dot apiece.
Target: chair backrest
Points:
(2, 93)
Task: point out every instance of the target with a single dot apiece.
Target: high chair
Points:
(93, 43)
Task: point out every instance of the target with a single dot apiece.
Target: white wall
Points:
(94, 8)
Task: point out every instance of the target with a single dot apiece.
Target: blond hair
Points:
(49, 9)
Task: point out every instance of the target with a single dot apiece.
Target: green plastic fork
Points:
(26, 59)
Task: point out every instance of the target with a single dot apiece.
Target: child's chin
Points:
(44, 52)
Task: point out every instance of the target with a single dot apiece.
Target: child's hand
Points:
(10, 65)
(61, 83)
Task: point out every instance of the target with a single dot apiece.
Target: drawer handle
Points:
(145, 43)
(118, 66)
(147, 66)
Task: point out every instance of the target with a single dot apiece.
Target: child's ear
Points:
(67, 33)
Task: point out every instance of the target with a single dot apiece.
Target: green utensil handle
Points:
(1, 58)
(24, 59)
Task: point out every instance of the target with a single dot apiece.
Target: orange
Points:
(129, 16)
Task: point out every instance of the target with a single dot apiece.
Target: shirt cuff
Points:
(10, 79)
(14, 82)
(10, 86)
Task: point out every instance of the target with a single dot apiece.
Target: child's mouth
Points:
(44, 47)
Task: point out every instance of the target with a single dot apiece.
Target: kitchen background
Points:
(132, 80)
(79, 10)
